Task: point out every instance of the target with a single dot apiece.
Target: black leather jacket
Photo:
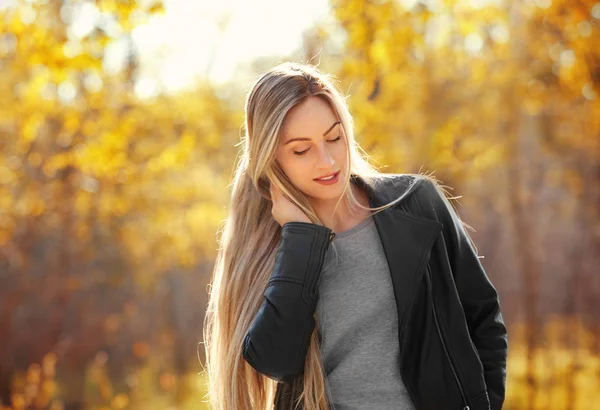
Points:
(453, 341)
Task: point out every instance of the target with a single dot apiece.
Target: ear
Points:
(264, 187)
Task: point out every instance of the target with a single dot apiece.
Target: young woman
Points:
(337, 286)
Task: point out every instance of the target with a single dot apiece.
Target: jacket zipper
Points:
(462, 393)
(407, 385)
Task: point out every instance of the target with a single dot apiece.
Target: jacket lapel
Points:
(407, 238)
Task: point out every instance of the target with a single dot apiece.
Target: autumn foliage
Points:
(110, 203)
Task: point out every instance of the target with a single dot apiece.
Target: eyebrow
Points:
(308, 139)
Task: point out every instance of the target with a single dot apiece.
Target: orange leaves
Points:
(131, 13)
(36, 388)
(56, 163)
(82, 152)
(557, 364)
(101, 193)
(121, 8)
(174, 156)
(120, 401)
(167, 381)
(141, 349)
(380, 55)
(31, 127)
(479, 65)
(157, 7)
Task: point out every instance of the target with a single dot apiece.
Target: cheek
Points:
(289, 165)
(295, 167)
(340, 149)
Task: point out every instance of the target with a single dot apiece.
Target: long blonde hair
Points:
(251, 237)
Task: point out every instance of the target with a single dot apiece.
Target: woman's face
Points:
(312, 145)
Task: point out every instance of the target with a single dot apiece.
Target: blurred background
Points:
(120, 123)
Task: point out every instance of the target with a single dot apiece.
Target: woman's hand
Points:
(283, 209)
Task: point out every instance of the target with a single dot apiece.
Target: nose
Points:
(326, 160)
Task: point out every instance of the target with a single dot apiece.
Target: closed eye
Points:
(306, 150)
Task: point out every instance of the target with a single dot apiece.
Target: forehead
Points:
(308, 119)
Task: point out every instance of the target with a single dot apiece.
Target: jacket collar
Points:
(406, 236)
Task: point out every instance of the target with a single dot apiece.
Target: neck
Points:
(344, 218)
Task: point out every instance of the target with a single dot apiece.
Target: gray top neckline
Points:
(355, 228)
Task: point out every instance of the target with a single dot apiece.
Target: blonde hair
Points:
(251, 237)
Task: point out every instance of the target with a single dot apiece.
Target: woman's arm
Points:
(478, 296)
(278, 338)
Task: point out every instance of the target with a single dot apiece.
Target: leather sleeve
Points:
(478, 296)
(279, 335)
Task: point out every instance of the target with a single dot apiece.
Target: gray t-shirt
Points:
(358, 323)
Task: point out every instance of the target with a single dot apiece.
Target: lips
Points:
(328, 175)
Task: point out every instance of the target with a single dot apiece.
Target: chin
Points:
(325, 192)
(324, 197)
